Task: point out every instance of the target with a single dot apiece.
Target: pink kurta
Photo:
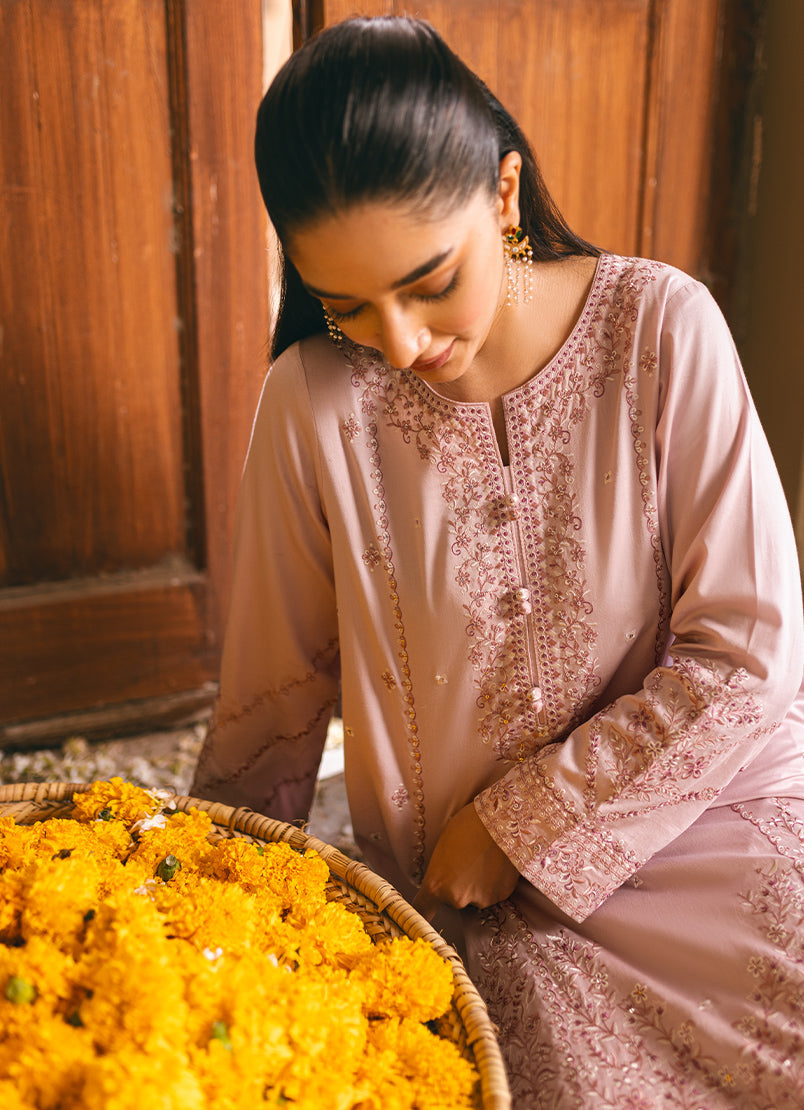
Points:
(601, 644)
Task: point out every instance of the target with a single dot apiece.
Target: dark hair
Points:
(380, 109)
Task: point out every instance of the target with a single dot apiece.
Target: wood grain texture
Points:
(230, 260)
(142, 635)
(133, 305)
(90, 431)
(681, 108)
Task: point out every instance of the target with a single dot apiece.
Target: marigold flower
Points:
(123, 802)
(406, 979)
(230, 982)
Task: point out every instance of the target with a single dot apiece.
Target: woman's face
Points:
(424, 291)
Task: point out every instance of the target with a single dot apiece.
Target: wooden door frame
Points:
(216, 79)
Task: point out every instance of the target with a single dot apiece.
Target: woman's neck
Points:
(525, 338)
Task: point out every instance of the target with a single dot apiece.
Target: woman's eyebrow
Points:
(423, 270)
(414, 275)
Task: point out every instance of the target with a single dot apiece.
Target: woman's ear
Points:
(508, 189)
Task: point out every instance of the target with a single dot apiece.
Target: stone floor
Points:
(166, 760)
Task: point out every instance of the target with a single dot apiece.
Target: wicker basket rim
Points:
(24, 798)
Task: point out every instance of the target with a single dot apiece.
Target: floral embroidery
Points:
(369, 374)
(493, 529)
(464, 451)
(648, 361)
(593, 1038)
(351, 426)
(321, 662)
(541, 438)
(645, 468)
(317, 722)
(222, 721)
(647, 758)
(400, 797)
(372, 557)
(530, 622)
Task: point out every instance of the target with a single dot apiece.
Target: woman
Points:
(511, 492)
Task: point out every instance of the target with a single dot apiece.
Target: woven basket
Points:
(381, 908)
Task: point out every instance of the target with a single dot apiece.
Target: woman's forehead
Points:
(386, 244)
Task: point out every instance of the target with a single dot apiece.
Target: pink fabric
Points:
(602, 645)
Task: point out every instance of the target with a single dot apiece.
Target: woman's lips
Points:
(433, 363)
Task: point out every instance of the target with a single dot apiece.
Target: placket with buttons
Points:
(518, 606)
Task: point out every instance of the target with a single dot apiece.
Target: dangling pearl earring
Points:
(518, 266)
(335, 333)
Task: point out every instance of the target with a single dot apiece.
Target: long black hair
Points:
(381, 110)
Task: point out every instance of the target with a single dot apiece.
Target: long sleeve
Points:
(579, 817)
(279, 675)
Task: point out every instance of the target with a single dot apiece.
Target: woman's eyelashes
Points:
(442, 294)
(427, 298)
(350, 315)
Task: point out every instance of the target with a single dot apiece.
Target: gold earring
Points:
(335, 333)
(518, 266)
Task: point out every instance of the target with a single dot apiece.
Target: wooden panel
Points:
(229, 228)
(581, 95)
(90, 426)
(134, 313)
(679, 142)
(79, 645)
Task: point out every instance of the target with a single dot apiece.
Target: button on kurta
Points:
(534, 696)
(521, 600)
(505, 509)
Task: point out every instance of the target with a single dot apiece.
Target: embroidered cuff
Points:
(575, 864)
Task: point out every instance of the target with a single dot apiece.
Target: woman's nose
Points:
(403, 339)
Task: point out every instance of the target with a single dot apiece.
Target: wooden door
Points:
(622, 101)
(133, 324)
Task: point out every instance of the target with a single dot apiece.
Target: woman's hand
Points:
(466, 868)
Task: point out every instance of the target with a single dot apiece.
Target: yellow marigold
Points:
(253, 1008)
(59, 892)
(299, 880)
(12, 884)
(237, 860)
(144, 963)
(332, 935)
(115, 799)
(327, 1050)
(183, 835)
(45, 1063)
(209, 914)
(405, 978)
(135, 1081)
(17, 843)
(11, 1097)
(134, 993)
(294, 1029)
(408, 1066)
(206, 987)
(103, 841)
(47, 970)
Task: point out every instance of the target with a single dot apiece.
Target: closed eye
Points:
(442, 294)
(428, 298)
(350, 315)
